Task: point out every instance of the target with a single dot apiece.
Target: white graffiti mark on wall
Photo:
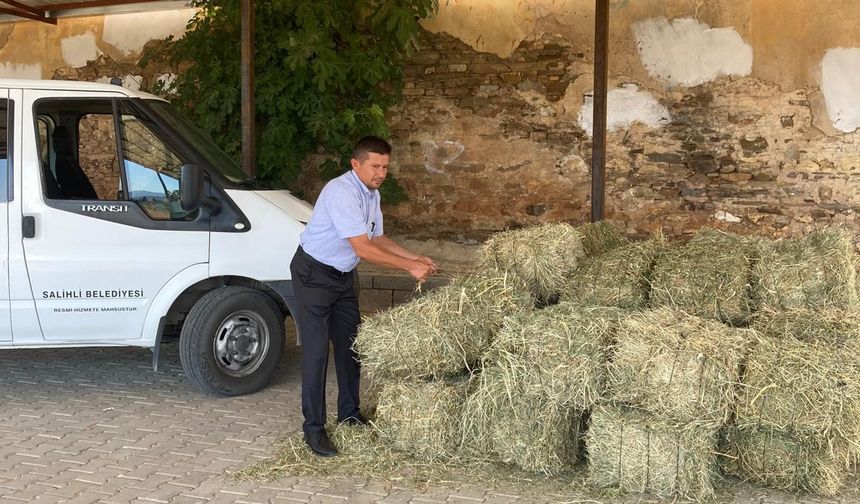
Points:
(840, 78)
(438, 157)
(688, 53)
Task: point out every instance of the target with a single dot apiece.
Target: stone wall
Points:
(486, 141)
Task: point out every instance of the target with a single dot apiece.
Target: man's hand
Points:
(421, 269)
(429, 262)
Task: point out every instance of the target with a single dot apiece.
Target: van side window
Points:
(4, 150)
(152, 171)
(86, 155)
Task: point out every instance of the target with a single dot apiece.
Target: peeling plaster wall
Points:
(725, 113)
(129, 32)
(113, 44)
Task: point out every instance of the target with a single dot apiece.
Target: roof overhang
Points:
(48, 11)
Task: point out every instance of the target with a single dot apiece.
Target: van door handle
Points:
(28, 226)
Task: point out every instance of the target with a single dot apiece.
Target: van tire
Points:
(215, 320)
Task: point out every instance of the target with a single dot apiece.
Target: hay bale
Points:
(441, 333)
(600, 237)
(422, 418)
(518, 425)
(676, 366)
(779, 460)
(543, 256)
(708, 277)
(834, 326)
(803, 388)
(561, 350)
(620, 277)
(637, 452)
(542, 371)
(817, 272)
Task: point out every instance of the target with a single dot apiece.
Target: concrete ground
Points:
(98, 425)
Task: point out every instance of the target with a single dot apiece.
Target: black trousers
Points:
(328, 312)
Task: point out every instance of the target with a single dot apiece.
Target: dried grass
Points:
(779, 460)
(680, 368)
(637, 452)
(600, 237)
(364, 454)
(708, 277)
(620, 277)
(542, 371)
(441, 333)
(543, 256)
(817, 272)
(504, 420)
(834, 326)
(559, 351)
(802, 388)
(424, 418)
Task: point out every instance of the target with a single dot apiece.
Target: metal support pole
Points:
(247, 69)
(598, 135)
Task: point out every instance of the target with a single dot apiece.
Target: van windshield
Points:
(213, 156)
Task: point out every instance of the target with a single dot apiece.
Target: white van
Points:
(123, 221)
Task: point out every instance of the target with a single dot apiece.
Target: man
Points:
(345, 227)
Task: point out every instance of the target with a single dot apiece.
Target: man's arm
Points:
(374, 252)
(391, 246)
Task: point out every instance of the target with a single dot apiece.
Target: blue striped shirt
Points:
(344, 209)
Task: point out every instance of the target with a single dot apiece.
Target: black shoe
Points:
(355, 420)
(320, 443)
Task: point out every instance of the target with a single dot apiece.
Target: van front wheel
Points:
(231, 341)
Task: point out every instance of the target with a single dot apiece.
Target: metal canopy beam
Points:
(24, 7)
(49, 13)
(88, 4)
(598, 133)
(27, 15)
(247, 70)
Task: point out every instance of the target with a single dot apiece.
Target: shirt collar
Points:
(358, 181)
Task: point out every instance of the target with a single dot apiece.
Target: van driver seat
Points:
(72, 180)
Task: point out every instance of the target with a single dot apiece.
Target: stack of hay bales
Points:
(543, 256)
(420, 354)
(798, 414)
(473, 370)
(709, 277)
(670, 387)
(541, 373)
(618, 277)
(817, 271)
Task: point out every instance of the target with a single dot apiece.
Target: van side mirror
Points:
(190, 187)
